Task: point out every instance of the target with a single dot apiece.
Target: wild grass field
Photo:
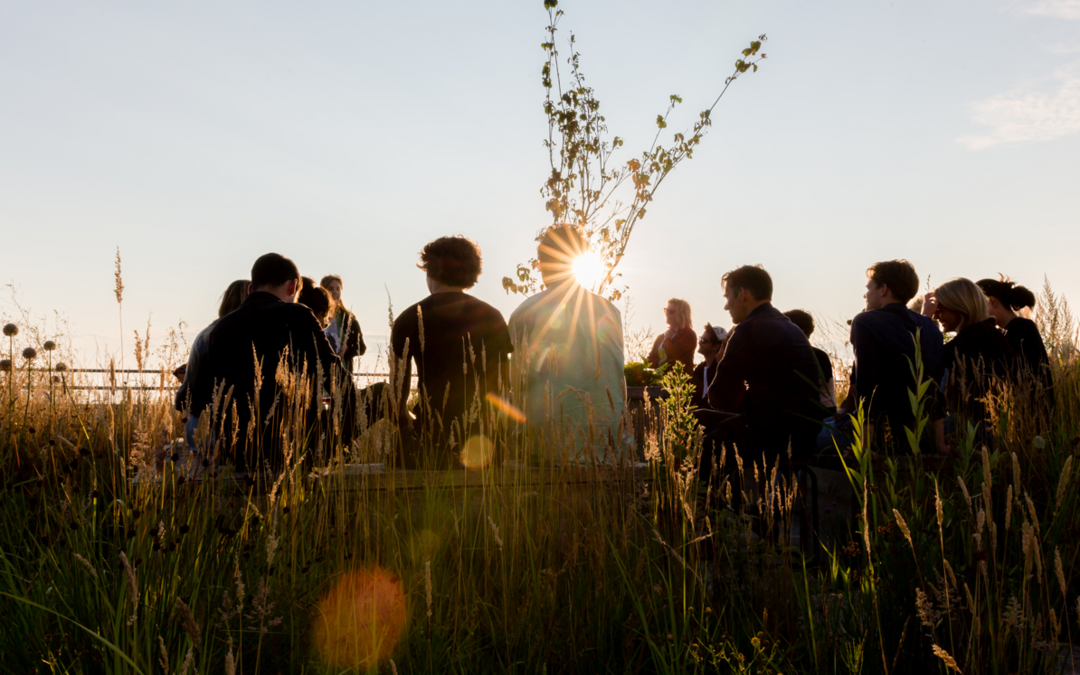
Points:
(114, 559)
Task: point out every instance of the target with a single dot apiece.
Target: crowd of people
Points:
(283, 346)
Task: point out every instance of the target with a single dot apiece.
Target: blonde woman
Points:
(677, 343)
(978, 355)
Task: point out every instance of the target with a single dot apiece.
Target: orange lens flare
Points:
(506, 408)
(361, 619)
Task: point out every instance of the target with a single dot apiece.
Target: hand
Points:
(929, 305)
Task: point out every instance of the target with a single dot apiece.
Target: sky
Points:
(195, 137)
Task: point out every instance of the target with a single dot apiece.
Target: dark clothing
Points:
(701, 379)
(266, 329)
(459, 331)
(679, 348)
(977, 358)
(825, 380)
(770, 362)
(349, 335)
(1027, 344)
(884, 344)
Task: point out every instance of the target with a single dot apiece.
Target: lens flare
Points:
(588, 269)
(477, 452)
(361, 619)
(506, 407)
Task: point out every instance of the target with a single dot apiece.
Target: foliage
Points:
(585, 183)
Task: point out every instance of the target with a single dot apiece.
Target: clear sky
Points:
(196, 136)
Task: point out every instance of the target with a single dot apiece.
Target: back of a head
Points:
(272, 270)
(233, 297)
(559, 247)
(963, 296)
(683, 315)
(898, 275)
(453, 261)
(753, 278)
(318, 300)
(802, 319)
(306, 283)
(1008, 293)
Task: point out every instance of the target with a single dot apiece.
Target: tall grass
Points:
(113, 559)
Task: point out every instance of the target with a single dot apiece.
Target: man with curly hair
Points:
(459, 345)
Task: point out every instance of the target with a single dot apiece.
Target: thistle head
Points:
(49, 345)
(60, 367)
(5, 366)
(29, 353)
(11, 330)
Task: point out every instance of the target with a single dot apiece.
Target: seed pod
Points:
(49, 345)
(29, 353)
(11, 330)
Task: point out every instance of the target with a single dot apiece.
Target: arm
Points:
(654, 354)
(729, 382)
(401, 347)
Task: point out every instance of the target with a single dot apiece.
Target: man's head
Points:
(452, 262)
(890, 281)
(803, 319)
(275, 274)
(559, 247)
(334, 284)
(745, 289)
(711, 342)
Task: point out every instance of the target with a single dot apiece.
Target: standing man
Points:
(344, 324)
(260, 380)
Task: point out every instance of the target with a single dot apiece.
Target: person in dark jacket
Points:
(711, 345)
(978, 359)
(343, 324)
(766, 377)
(1006, 299)
(232, 298)
(260, 380)
(805, 321)
(884, 341)
(456, 342)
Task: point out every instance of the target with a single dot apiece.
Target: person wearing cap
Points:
(711, 345)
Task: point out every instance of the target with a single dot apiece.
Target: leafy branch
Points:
(584, 179)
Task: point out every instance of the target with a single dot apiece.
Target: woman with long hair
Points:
(978, 356)
(677, 343)
(1005, 300)
(231, 299)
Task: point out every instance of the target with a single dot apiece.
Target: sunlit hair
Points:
(803, 319)
(318, 300)
(752, 278)
(1007, 293)
(964, 297)
(454, 261)
(560, 246)
(233, 297)
(273, 269)
(329, 279)
(682, 316)
(898, 275)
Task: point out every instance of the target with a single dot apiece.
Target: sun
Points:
(588, 269)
